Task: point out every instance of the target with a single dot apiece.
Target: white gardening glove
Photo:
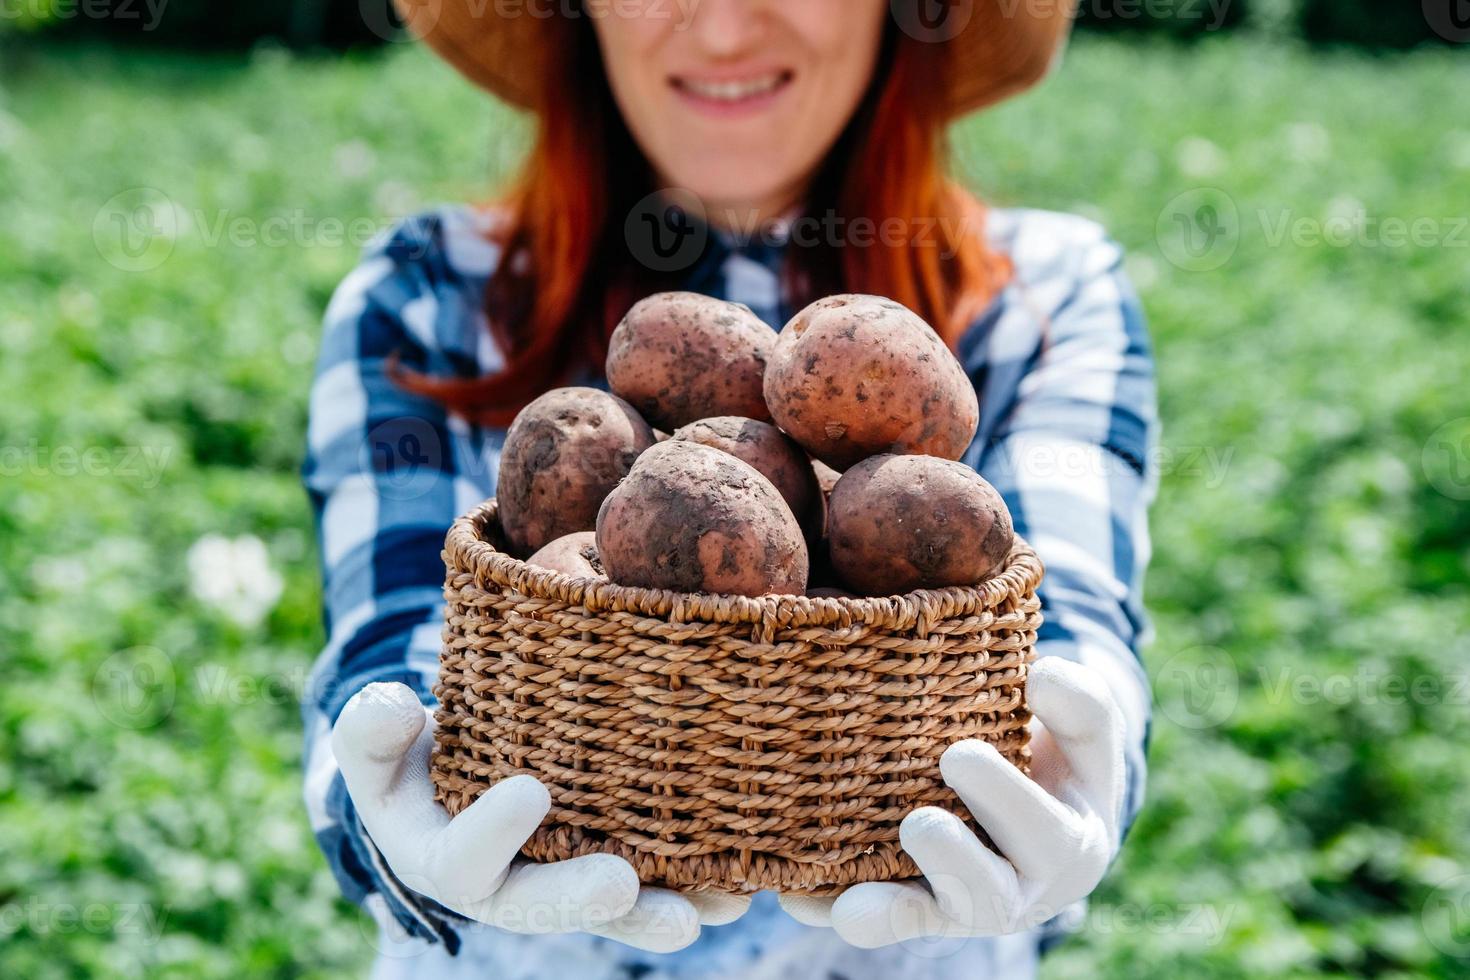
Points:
(382, 742)
(1058, 829)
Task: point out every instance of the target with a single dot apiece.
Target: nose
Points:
(728, 28)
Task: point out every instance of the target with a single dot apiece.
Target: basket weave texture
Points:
(722, 742)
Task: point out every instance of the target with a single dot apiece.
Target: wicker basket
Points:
(722, 742)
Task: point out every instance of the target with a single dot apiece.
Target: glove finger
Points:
(382, 742)
(575, 895)
(718, 908)
(1036, 832)
(809, 910)
(1086, 725)
(972, 885)
(661, 922)
(468, 859)
(880, 913)
(372, 737)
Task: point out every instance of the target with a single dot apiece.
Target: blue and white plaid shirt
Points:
(1062, 364)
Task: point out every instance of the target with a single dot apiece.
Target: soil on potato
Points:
(692, 518)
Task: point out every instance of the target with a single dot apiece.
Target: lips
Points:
(733, 91)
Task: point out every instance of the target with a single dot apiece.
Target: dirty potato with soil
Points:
(898, 523)
(853, 376)
(572, 554)
(820, 462)
(695, 519)
(774, 455)
(682, 357)
(562, 456)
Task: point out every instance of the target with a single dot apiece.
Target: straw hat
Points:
(1006, 46)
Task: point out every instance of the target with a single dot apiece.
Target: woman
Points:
(768, 152)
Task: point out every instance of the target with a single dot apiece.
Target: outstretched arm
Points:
(388, 472)
(1071, 454)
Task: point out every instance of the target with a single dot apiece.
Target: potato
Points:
(574, 554)
(695, 519)
(770, 451)
(682, 357)
(564, 452)
(898, 523)
(826, 476)
(854, 376)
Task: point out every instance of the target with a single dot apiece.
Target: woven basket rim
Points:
(466, 549)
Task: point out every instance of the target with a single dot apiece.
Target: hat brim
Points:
(1001, 47)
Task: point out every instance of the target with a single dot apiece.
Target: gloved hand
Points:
(382, 742)
(1058, 829)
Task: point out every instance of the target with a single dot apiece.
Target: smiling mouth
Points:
(734, 92)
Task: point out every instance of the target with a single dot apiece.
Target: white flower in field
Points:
(395, 198)
(353, 159)
(79, 306)
(298, 347)
(1308, 141)
(11, 131)
(1088, 210)
(1143, 270)
(1347, 211)
(60, 573)
(1198, 157)
(1458, 144)
(234, 576)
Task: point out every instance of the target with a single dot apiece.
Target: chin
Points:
(732, 183)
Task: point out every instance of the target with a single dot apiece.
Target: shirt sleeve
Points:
(387, 472)
(1072, 456)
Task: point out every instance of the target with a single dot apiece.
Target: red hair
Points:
(566, 276)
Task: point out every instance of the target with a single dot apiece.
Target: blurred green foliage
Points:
(203, 23)
(1381, 23)
(1174, 18)
(171, 229)
(345, 23)
(1365, 23)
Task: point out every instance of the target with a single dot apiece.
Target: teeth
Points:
(732, 91)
